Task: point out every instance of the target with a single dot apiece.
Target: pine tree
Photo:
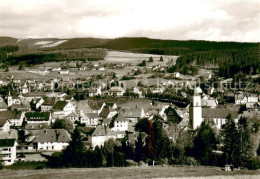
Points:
(204, 144)
(229, 138)
(161, 58)
(244, 142)
(73, 155)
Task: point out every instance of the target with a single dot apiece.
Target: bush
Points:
(1, 166)
(254, 163)
(131, 163)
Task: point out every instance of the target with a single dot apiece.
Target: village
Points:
(39, 112)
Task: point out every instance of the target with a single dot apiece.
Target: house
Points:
(7, 151)
(15, 117)
(240, 98)
(212, 103)
(36, 126)
(133, 115)
(47, 104)
(5, 124)
(64, 72)
(176, 74)
(3, 105)
(112, 105)
(252, 98)
(103, 133)
(207, 76)
(116, 91)
(89, 119)
(96, 107)
(38, 117)
(120, 123)
(12, 100)
(94, 92)
(36, 103)
(62, 109)
(52, 140)
(136, 90)
(107, 112)
(56, 69)
(73, 116)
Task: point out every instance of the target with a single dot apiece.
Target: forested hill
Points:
(194, 45)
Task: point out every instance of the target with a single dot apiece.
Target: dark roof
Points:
(60, 105)
(10, 115)
(92, 115)
(105, 111)
(95, 105)
(218, 113)
(3, 105)
(120, 117)
(37, 116)
(49, 101)
(2, 122)
(7, 142)
(53, 135)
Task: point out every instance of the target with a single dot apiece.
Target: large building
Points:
(218, 115)
(7, 151)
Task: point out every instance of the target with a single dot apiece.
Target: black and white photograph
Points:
(129, 89)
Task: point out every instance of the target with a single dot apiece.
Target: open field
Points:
(130, 172)
(135, 58)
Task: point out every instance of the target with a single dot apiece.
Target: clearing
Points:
(131, 172)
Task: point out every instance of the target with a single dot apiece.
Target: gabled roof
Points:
(120, 118)
(220, 113)
(59, 105)
(3, 105)
(53, 135)
(92, 115)
(49, 101)
(2, 122)
(7, 142)
(10, 115)
(95, 105)
(105, 111)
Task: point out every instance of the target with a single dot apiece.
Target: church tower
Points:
(9, 100)
(197, 111)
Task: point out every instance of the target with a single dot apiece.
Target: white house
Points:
(116, 91)
(47, 104)
(15, 118)
(64, 72)
(5, 125)
(176, 74)
(120, 123)
(62, 109)
(52, 140)
(102, 133)
(7, 151)
(89, 119)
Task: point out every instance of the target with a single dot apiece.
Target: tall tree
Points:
(73, 155)
(229, 136)
(204, 143)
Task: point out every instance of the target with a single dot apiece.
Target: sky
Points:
(217, 20)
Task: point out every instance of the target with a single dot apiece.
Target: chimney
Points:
(45, 131)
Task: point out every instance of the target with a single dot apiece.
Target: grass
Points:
(131, 172)
(26, 166)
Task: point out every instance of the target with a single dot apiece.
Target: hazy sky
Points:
(220, 20)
